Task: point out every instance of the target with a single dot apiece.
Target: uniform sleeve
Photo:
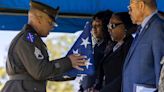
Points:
(39, 67)
(64, 67)
(60, 78)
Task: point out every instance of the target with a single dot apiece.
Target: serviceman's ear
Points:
(39, 20)
(38, 17)
(34, 16)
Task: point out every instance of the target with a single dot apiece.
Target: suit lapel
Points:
(112, 54)
(106, 56)
(133, 47)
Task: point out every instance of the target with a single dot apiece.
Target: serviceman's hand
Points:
(77, 61)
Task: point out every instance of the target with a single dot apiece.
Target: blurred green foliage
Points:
(56, 50)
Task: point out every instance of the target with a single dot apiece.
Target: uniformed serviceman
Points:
(28, 64)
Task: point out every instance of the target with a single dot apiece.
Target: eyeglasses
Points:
(53, 23)
(50, 21)
(113, 26)
(129, 6)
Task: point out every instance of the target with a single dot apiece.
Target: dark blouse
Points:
(111, 67)
(89, 81)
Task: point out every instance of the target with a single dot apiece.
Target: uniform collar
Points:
(99, 42)
(29, 28)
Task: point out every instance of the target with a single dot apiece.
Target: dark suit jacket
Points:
(111, 67)
(142, 64)
(88, 81)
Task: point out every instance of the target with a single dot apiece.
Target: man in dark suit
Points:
(28, 64)
(142, 64)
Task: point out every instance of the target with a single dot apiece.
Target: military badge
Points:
(30, 37)
(38, 53)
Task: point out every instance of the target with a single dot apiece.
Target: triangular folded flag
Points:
(83, 46)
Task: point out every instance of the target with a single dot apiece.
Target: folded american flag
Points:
(83, 46)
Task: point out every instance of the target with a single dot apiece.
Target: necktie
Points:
(137, 33)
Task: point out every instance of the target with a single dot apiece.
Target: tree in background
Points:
(3, 76)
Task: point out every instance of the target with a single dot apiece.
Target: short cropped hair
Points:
(150, 3)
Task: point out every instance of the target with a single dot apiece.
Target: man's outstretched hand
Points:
(77, 61)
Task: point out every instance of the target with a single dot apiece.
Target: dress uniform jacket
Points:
(28, 64)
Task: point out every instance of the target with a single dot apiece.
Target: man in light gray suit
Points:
(142, 64)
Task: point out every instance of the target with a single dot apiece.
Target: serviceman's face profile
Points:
(50, 11)
(43, 16)
(41, 22)
(46, 24)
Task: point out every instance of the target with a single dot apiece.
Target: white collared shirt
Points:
(143, 24)
(117, 45)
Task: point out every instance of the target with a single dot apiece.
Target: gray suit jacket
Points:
(142, 64)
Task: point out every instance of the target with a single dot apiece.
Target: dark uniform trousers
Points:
(28, 64)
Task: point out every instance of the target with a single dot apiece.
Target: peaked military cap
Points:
(50, 11)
